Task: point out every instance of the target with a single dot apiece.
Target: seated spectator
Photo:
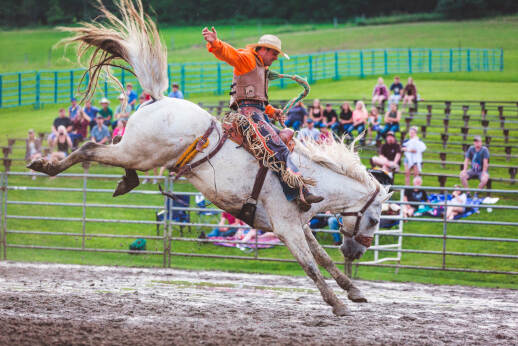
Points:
(360, 116)
(296, 116)
(176, 93)
(330, 116)
(414, 195)
(409, 92)
(249, 235)
(146, 177)
(222, 231)
(457, 198)
(391, 119)
(322, 221)
(61, 120)
(32, 148)
(345, 121)
(91, 111)
(106, 112)
(309, 131)
(380, 93)
(73, 109)
(413, 149)
(79, 128)
(478, 156)
(389, 154)
(120, 129)
(142, 100)
(316, 113)
(64, 144)
(374, 124)
(333, 224)
(121, 112)
(325, 136)
(396, 89)
(100, 133)
(131, 95)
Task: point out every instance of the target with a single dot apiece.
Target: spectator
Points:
(389, 154)
(322, 221)
(296, 116)
(146, 177)
(91, 111)
(457, 198)
(374, 124)
(142, 100)
(121, 112)
(79, 128)
(64, 143)
(176, 93)
(325, 135)
(222, 231)
(100, 133)
(478, 156)
(61, 120)
(73, 109)
(316, 113)
(391, 119)
(360, 116)
(309, 131)
(120, 129)
(330, 116)
(414, 195)
(333, 224)
(345, 122)
(32, 148)
(409, 92)
(413, 149)
(106, 111)
(131, 95)
(396, 89)
(380, 93)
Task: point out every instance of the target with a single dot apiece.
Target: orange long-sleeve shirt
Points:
(243, 61)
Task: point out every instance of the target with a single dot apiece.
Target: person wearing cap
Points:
(73, 109)
(389, 154)
(131, 95)
(309, 131)
(249, 96)
(176, 93)
(122, 112)
(106, 111)
(100, 133)
(478, 156)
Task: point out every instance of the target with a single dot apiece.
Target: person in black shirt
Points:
(330, 115)
(414, 195)
(345, 121)
(61, 120)
(389, 154)
(395, 89)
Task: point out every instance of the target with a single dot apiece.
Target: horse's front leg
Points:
(293, 238)
(323, 259)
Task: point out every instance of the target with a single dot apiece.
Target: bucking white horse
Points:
(161, 130)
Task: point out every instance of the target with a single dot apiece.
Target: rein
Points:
(364, 240)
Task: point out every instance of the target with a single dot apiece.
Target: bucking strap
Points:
(247, 213)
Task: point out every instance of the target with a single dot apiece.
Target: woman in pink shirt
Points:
(380, 92)
(120, 129)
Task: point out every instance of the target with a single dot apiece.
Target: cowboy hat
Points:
(269, 41)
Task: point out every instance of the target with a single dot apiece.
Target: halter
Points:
(364, 240)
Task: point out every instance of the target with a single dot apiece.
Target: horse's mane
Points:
(338, 157)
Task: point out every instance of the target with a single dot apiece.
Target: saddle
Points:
(235, 135)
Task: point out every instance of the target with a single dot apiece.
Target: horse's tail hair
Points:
(133, 38)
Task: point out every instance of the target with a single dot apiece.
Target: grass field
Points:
(33, 53)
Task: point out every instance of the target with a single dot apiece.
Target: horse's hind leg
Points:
(128, 182)
(325, 261)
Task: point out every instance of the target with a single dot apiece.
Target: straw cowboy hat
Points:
(269, 41)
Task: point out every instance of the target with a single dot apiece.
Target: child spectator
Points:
(121, 112)
(296, 116)
(91, 111)
(106, 111)
(374, 124)
(309, 131)
(79, 128)
(316, 113)
(222, 231)
(396, 89)
(61, 120)
(391, 119)
(100, 133)
(478, 156)
(63, 142)
(389, 154)
(120, 129)
(32, 148)
(380, 93)
(73, 109)
(409, 92)
(457, 198)
(414, 195)
(413, 149)
(131, 95)
(176, 93)
(329, 115)
(325, 135)
(345, 122)
(360, 116)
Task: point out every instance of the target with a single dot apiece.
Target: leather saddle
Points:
(233, 132)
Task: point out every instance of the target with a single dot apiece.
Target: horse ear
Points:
(387, 188)
(387, 197)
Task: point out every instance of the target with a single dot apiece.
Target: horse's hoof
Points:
(36, 165)
(340, 310)
(126, 184)
(356, 295)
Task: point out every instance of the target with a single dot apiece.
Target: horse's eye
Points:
(373, 222)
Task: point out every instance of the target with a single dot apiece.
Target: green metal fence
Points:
(43, 87)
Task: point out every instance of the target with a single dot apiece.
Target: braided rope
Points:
(273, 75)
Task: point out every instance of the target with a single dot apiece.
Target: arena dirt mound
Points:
(67, 304)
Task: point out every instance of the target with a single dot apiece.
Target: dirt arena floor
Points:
(69, 304)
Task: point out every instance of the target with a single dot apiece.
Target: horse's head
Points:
(360, 221)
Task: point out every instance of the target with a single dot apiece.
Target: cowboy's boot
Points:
(311, 198)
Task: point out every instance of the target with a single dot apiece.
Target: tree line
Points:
(23, 13)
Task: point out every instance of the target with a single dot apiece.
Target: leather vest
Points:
(251, 86)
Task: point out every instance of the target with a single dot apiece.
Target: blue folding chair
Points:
(174, 214)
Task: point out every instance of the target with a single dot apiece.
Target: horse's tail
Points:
(133, 38)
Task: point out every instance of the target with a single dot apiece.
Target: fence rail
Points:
(44, 87)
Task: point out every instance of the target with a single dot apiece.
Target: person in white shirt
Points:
(309, 131)
(458, 198)
(413, 149)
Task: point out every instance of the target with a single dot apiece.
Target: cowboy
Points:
(249, 96)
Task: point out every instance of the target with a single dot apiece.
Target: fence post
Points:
(220, 89)
(310, 62)
(385, 61)
(1, 86)
(55, 86)
(451, 59)
(83, 221)
(4, 213)
(19, 88)
(182, 79)
(105, 88)
(430, 60)
(37, 101)
(167, 211)
(169, 78)
(337, 71)
(410, 60)
(2, 246)
(71, 83)
(468, 60)
(361, 64)
(281, 69)
(123, 77)
(444, 229)
(501, 69)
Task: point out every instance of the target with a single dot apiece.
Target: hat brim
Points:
(271, 46)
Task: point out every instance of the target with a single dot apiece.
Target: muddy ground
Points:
(68, 304)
